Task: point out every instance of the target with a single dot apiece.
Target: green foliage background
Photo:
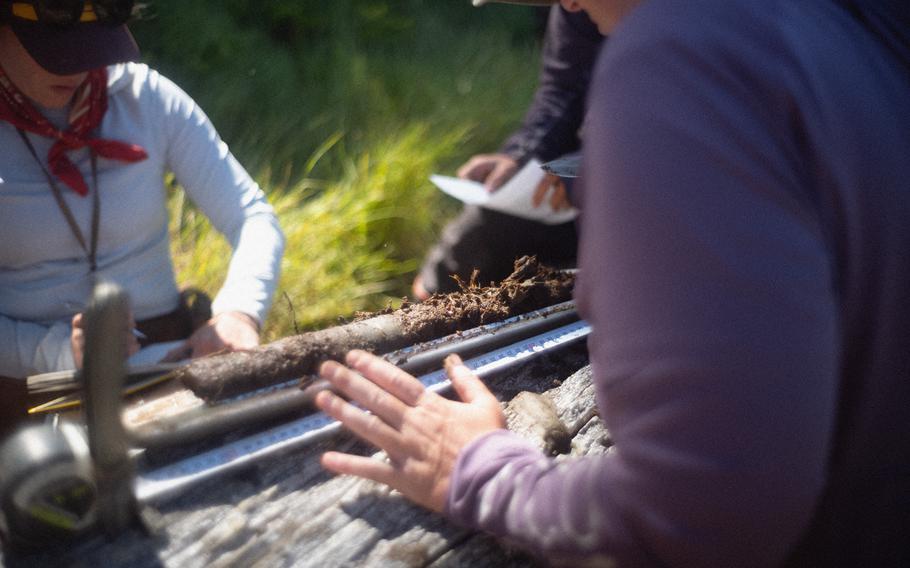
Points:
(341, 110)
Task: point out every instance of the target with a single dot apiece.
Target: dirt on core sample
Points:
(531, 286)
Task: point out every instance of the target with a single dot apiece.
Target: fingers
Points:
(77, 339)
(364, 392)
(360, 466)
(228, 331)
(418, 289)
(503, 171)
(540, 192)
(560, 198)
(389, 377)
(553, 185)
(491, 169)
(477, 168)
(370, 427)
(205, 341)
(423, 441)
(468, 386)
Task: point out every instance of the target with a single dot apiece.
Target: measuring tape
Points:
(55, 502)
(170, 479)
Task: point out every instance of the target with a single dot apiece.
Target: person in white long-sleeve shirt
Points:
(150, 127)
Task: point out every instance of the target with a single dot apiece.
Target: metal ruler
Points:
(171, 479)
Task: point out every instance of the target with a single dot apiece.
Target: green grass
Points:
(341, 111)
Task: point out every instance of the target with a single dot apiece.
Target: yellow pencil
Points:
(71, 401)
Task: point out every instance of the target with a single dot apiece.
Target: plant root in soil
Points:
(531, 286)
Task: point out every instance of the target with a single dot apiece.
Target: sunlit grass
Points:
(342, 131)
(353, 244)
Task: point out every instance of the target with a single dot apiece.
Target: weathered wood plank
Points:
(287, 511)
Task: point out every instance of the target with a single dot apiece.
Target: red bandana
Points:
(89, 106)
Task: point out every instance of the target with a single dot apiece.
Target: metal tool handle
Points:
(104, 369)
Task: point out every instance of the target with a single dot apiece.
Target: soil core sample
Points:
(531, 286)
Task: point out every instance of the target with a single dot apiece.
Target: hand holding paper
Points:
(514, 197)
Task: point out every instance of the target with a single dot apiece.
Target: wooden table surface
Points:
(287, 511)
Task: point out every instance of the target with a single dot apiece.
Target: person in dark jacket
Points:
(489, 240)
(744, 268)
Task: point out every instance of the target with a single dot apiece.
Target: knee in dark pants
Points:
(490, 242)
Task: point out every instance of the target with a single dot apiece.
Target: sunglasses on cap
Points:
(65, 13)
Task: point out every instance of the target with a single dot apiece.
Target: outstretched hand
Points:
(421, 431)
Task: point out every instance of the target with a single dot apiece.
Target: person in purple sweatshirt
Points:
(744, 266)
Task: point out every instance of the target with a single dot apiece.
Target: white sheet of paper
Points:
(153, 353)
(514, 197)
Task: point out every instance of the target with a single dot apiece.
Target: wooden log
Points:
(531, 286)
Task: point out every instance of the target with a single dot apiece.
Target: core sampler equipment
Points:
(60, 480)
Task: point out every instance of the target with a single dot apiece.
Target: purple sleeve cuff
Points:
(477, 464)
(506, 486)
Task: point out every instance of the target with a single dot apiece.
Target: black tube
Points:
(201, 423)
(432, 358)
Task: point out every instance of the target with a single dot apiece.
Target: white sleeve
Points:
(37, 348)
(232, 201)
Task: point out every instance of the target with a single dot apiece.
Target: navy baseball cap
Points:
(87, 44)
